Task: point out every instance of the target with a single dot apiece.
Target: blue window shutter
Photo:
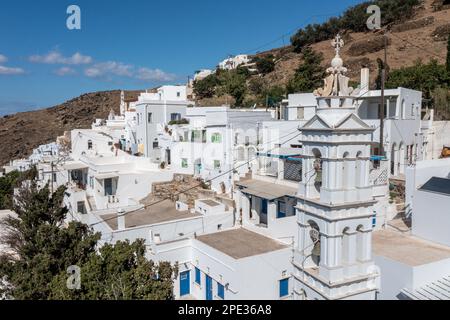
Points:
(220, 291)
(197, 276)
(284, 287)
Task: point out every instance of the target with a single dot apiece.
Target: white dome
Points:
(337, 62)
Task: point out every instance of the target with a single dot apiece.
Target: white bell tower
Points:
(335, 203)
(122, 103)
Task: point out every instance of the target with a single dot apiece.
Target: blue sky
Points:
(134, 44)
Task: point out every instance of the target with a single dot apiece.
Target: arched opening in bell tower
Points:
(314, 234)
(317, 165)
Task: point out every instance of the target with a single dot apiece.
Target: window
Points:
(149, 117)
(89, 144)
(300, 113)
(216, 138)
(155, 144)
(178, 94)
(197, 276)
(196, 136)
(54, 177)
(91, 182)
(184, 163)
(175, 116)
(220, 291)
(281, 209)
(80, 207)
(284, 287)
(110, 143)
(216, 164)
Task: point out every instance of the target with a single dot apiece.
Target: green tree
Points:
(233, 83)
(119, 272)
(13, 180)
(420, 76)
(43, 246)
(265, 64)
(354, 19)
(309, 75)
(206, 88)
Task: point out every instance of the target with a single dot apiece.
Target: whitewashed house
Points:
(216, 140)
(154, 111)
(413, 256)
(234, 62)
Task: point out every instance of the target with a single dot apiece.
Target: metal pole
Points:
(51, 174)
(382, 104)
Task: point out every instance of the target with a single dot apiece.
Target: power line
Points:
(197, 185)
(281, 37)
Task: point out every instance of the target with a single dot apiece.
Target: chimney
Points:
(365, 80)
(120, 219)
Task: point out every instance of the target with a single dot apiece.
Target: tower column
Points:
(366, 246)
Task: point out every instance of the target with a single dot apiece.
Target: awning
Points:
(109, 175)
(377, 158)
(76, 165)
(266, 190)
(281, 153)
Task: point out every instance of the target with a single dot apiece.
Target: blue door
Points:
(185, 283)
(263, 215)
(209, 292)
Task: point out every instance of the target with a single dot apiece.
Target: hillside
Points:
(422, 37)
(20, 133)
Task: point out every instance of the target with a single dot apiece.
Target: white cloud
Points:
(106, 69)
(55, 57)
(10, 71)
(154, 75)
(3, 58)
(64, 71)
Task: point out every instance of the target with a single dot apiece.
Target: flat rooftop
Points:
(407, 249)
(266, 190)
(161, 212)
(210, 202)
(241, 243)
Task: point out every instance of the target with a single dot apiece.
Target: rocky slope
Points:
(423, 37)
(22, 132)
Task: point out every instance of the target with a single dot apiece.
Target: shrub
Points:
(354, 19)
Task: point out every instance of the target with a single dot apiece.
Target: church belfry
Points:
(335, 199)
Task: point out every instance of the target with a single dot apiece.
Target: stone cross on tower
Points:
(337, 44)
(336, 83)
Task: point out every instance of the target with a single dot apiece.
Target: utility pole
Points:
(51, 165)
(381, 110)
